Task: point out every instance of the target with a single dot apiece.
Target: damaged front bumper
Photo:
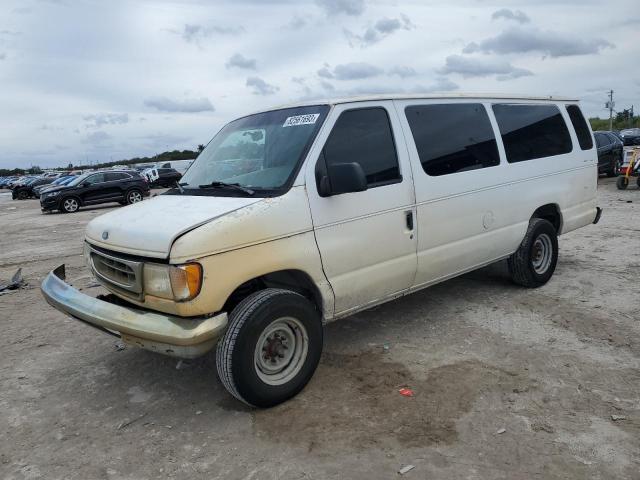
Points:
(158, 332)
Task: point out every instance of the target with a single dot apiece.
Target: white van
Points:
(304, 214)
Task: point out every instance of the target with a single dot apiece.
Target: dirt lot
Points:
(549, 366)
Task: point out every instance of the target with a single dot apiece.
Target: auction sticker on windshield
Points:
(309, 119)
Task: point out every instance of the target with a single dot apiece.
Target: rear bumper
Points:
(170, 335)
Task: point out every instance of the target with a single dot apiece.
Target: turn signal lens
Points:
(186, 280)
(173, 282)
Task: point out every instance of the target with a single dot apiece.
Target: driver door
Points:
(366, 239)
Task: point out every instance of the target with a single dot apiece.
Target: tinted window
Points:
(532, 131)
(453, 138)
(364, 136)
(115, 176)
(95, 178)
(602, 140)
(580, 126)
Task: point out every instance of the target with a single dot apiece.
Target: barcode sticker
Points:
(309, 119)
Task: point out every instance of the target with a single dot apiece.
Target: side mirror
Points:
(342, 178)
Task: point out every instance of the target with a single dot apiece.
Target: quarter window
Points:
(452, 138)
(580, 126)
(95, 178)
(532, 131)
(364, 136)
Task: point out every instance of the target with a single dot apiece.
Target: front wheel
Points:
(613, 170)
(622, 183)
(271, 348)
(70, 205)
(533, 264)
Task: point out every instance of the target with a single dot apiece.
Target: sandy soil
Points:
(549, 366)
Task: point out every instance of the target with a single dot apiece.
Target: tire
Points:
(22, 195)
(622, 183)
(533, 264)
(638, 181)
(133, 196)
(270, 319)
(69, 205)
(613, 170)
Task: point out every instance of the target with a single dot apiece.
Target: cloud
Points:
(100, 119)
(524, 40)
(507, 14)
(327, 86)
(355, 71)
(3, 56)
(324, 72)
(97, 137)
(194, 33)
(239, 61)
(479, 67)
(188, 105)
(380, 30)
(260, 87)
(296, 23)
(403, 72)
(347, 7)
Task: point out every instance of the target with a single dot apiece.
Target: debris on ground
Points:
(16, 282)
(406, 469)
(199, 412)
(406, 392)
(119, 346)
(616, 418)
(181, 365)
(501, 431)
(129, 422)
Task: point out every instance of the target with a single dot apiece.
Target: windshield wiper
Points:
(179, 185)
(234, 186)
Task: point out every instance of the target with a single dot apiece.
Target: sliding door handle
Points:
(409, 219)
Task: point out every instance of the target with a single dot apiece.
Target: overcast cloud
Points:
(93, 81)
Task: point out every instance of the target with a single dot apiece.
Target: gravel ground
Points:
(508, 383)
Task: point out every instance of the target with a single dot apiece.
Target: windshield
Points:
(259, 152)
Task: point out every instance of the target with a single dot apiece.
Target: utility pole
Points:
(610, 106)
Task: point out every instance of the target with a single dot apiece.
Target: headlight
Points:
(174, 282)
(52, 194)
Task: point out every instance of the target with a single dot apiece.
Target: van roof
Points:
(426, 96)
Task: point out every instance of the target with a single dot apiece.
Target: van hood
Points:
(149, 228)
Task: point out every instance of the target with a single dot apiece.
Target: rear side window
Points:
(453, 138)
(532, 131)
(580, 126)
(602, 140)
(364, 136)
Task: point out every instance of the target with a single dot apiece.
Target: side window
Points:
(109, 177)
(364, 136)
(602, 140)
(532, 131)
(453, 138)
(95, 178)
(580, 126)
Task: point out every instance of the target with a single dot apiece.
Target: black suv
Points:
(93, 188)
(167, 177)
(609, 153)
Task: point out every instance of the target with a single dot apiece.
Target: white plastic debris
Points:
(615, 418)
(406, 469)
(501, 431)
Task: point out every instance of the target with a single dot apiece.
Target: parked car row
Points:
(67, 193)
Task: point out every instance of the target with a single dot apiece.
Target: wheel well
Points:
(294, 280)
(551, 213)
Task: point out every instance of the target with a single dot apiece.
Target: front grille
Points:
(125, 275)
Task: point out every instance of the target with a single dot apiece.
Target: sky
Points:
(86, 81)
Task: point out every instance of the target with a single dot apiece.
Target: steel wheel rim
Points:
(135, 197)
(542, 253)
(281, 351)
(70, 205)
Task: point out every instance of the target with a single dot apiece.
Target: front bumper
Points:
(158, 332)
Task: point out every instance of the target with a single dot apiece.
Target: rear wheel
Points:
(622, 183)
(271, 348)
(70, 205)
(22, 195)
(533, 264)
(134, 196)
(613, 170)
